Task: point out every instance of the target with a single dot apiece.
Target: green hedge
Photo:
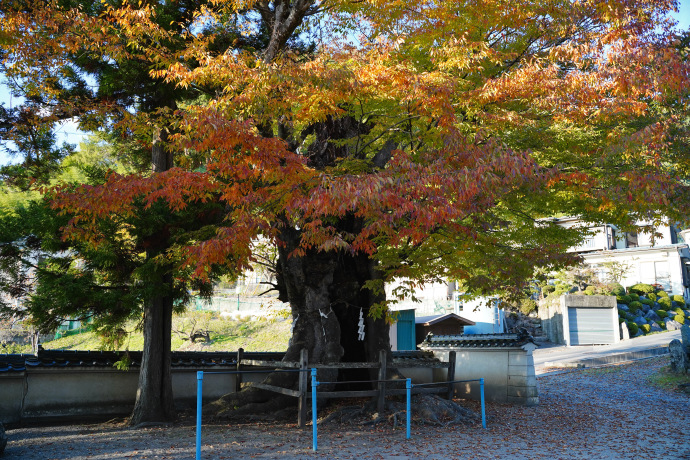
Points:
(646, 328)
(646, 302)
(679, 318)
(662, 313)
(651, 296)
(634, 297)
(662, 293)
(679, 298)
(633, 328)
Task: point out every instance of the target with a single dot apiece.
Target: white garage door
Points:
(590, 326)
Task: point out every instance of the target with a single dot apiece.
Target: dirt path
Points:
(610, 413)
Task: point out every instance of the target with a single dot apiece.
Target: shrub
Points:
(624, 299)
(641, 288)
(664, 302)
(662, 293)
(646, 302)
(633, 328)
(651, 296)
(634, 297)
(662, 313)
(548, 288)
(679, 311)
(618, 290)
(634, 306)
(527, 306)
(679, 298)
(646, 328)
(679, 318)
(661, 324)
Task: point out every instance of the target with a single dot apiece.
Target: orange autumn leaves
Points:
(445, 83)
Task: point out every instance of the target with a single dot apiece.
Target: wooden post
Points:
(238, 376)
(381, 384)
(451, 374)
(303, 379)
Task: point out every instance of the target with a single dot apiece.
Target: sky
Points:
(69, 132)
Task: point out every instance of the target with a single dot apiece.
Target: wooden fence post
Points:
(238, 376)
(382, 384)
(303, 379)
(451, 374)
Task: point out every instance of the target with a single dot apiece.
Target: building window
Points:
(631, 240)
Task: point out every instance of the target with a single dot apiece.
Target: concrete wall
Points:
(508, 373)
(40, 394)
(55, 393)
(551, 315)
(554, 315)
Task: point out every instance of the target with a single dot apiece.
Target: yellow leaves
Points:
(429, 76)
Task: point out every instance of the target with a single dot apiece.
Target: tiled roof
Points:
(179, 359)
(67, 358)
(476, 341)
(433, 319)
(406, 356)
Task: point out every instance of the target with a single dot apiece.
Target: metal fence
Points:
(409, 387)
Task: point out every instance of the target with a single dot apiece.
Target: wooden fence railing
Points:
(380, 392)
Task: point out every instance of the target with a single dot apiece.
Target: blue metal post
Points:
(199, 389)
(314, 383)
(481, 390)
(408, 385)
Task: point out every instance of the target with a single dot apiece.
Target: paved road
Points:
(639, 347)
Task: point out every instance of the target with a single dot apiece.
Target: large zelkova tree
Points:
(373, 141)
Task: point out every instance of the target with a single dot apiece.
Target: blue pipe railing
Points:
(314, 385)
(200, 390)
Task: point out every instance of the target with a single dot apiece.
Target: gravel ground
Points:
(607, 413)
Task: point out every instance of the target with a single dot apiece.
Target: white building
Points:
(441, 298)
(660, 259)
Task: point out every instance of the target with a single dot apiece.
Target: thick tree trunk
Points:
(154, 402)
(326, 294)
